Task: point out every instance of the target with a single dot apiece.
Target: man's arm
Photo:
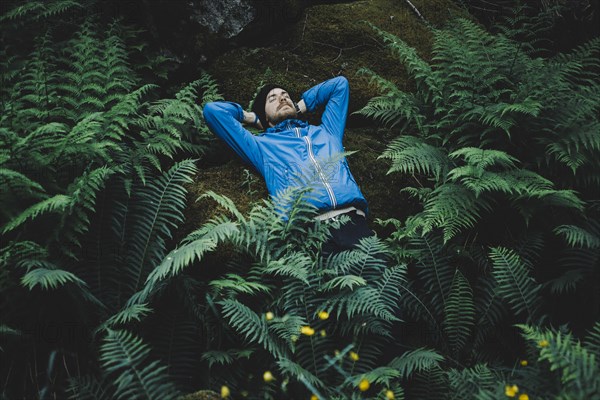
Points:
(225, 120)
(335, 93)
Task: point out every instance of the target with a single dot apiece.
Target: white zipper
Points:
(318, 168)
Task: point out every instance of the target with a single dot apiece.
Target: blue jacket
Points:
(294, 153)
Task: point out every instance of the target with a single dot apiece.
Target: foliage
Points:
(458, 302)
(283, 274)
(93, 172)
(503, 146)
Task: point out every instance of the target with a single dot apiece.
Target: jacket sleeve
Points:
(223, 118)
(335, 94)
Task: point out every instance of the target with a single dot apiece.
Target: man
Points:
(293, 153)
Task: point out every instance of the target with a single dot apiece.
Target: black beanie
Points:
(258, 107)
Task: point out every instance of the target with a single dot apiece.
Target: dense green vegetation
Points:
(490, 290)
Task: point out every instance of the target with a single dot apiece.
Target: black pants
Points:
(348, 235)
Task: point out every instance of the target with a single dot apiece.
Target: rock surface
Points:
(226, 18)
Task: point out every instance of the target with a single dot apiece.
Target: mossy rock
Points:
(201, 395)
(328, 40)
(331, 40)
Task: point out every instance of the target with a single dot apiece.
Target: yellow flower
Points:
(323, 333)
(354, 356)
(544, 343)
(307, 330)
(524, 396)
(268, 376)
(524, 363)
(314, 397)
(511, 390)
(269, 316)
(323, 315)
(225, 392)
(364, 385)
(389, 395)
(336, 353)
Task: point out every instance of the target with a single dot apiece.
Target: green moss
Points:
(201, 395)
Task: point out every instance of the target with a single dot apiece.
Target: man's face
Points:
(279, 106)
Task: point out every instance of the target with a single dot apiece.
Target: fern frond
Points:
(251, 326)
(49, 278)
(133, 312)
(74, 222)
(416, 361)
(382, 375)
(345, 282)
(18, 181)
(459, 312)
(21, 10)
(126, 358)
(393, 107)
(300, 373)
(592, 340)
(577, 236)
(453, 208)
(158, 208)
(469, 381)
(224, 202)
(431, 383)
(294, 265)
(580, 371)
(225, 357)
(435, 268)
(236, 284)
(415, 65)
(484, 158)
(56, 204)
(195, 246)
(59, 7)
(412, 155)
(89, 388)
(515, 285)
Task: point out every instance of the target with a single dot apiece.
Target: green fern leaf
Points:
(126, 358)
(412, 155)
(88, 388)
(225, 357)
(345, 282)
(159, 208)
(469, 381)
(579, 369)
(251, 326)
(592, 340)
(57, 204)
(134, 312)
(578, 237)
(453, 208)
(236, 284)
(459, 313)
(49, 278)
(416, 361)
(515, 285)
(195, 246)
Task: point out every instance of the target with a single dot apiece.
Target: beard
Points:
(283, 114)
